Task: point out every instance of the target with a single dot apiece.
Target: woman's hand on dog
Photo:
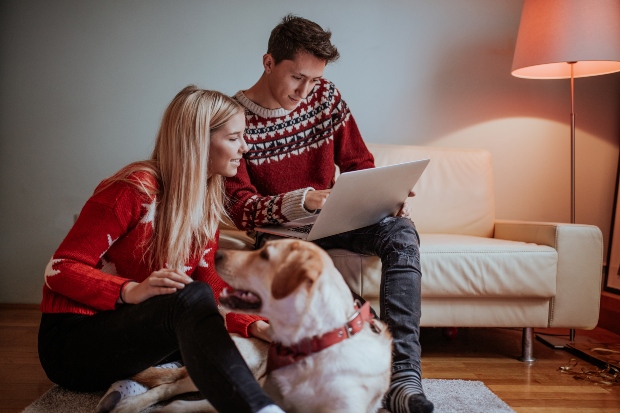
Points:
(260, 329)
(164, 281)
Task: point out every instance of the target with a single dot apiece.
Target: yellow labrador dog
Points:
(327, 355)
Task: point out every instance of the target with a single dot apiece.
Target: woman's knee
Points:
(197, 296)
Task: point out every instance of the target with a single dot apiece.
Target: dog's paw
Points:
(187, 406)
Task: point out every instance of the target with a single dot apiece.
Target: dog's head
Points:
(271, 273)
(293, 283)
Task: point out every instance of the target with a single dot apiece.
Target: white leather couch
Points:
(479, 271)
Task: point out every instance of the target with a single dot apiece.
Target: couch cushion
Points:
(464, 266)
(454, 195)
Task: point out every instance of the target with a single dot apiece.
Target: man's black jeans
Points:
(396, 242)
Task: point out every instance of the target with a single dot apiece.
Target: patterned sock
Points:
(406, 395)
(125, 388)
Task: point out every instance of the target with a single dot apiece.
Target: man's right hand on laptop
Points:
(315, 199)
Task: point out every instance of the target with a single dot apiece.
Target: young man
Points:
(298, 129)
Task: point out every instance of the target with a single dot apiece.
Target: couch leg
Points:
(527, 345)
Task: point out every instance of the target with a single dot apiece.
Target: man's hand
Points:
(260, 329)
(315, 199)
(405, 210)
(164, 281)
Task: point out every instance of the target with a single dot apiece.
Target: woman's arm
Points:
(75, 270)
(249, 209)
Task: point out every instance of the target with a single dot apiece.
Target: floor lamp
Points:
(567, 39)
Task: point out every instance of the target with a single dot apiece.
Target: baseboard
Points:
(7, 306)
(609, 317)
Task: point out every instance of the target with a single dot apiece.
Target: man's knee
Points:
(400, 234)
(398, 224)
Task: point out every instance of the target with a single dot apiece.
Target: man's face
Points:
(290, 81)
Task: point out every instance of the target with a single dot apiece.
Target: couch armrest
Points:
(580, 265)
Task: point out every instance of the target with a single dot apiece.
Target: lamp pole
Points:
(572, 158)
(572, 141)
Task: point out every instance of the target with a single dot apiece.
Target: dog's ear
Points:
(301, 267)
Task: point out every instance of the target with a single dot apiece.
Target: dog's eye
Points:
(264, 254)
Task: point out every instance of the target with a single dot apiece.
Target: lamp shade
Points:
(553, 33)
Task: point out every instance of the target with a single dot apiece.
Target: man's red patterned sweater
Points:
(107, 247)
(290, 153)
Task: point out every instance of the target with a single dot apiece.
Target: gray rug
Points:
(449, 396)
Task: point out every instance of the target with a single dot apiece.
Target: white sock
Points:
(173, 365)
(272, 408)
(125, 388)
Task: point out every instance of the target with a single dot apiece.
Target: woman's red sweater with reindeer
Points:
(107, 247)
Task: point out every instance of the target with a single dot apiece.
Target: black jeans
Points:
(88, 353)
(396, 242)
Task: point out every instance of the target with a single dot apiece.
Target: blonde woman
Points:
(133, 284)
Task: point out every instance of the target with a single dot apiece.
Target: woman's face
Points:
(227, 147)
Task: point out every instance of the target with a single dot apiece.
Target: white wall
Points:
(83, 85)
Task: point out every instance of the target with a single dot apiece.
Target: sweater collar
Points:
(259, 110)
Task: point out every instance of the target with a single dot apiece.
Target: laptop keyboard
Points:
(304, 229)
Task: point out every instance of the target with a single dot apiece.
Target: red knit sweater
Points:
(107, 246)
(291, 153)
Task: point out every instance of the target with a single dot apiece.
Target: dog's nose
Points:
(219, 255)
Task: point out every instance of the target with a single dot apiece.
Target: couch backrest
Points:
(454, 195)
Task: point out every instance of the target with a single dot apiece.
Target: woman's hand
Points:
(260, 329)
(164, 281)
(315, 199)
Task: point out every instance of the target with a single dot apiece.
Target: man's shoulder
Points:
(325, 96)
(325, 85)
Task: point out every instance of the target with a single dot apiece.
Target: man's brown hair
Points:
(295, 34)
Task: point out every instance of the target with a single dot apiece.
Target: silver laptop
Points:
(358, 199)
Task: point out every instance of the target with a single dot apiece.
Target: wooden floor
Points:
(485, 354)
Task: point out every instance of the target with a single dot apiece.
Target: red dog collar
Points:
(281, 356)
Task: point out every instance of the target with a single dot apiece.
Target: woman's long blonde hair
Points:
(190, 204)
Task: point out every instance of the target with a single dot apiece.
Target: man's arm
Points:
(350, 151)
(249, 209)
